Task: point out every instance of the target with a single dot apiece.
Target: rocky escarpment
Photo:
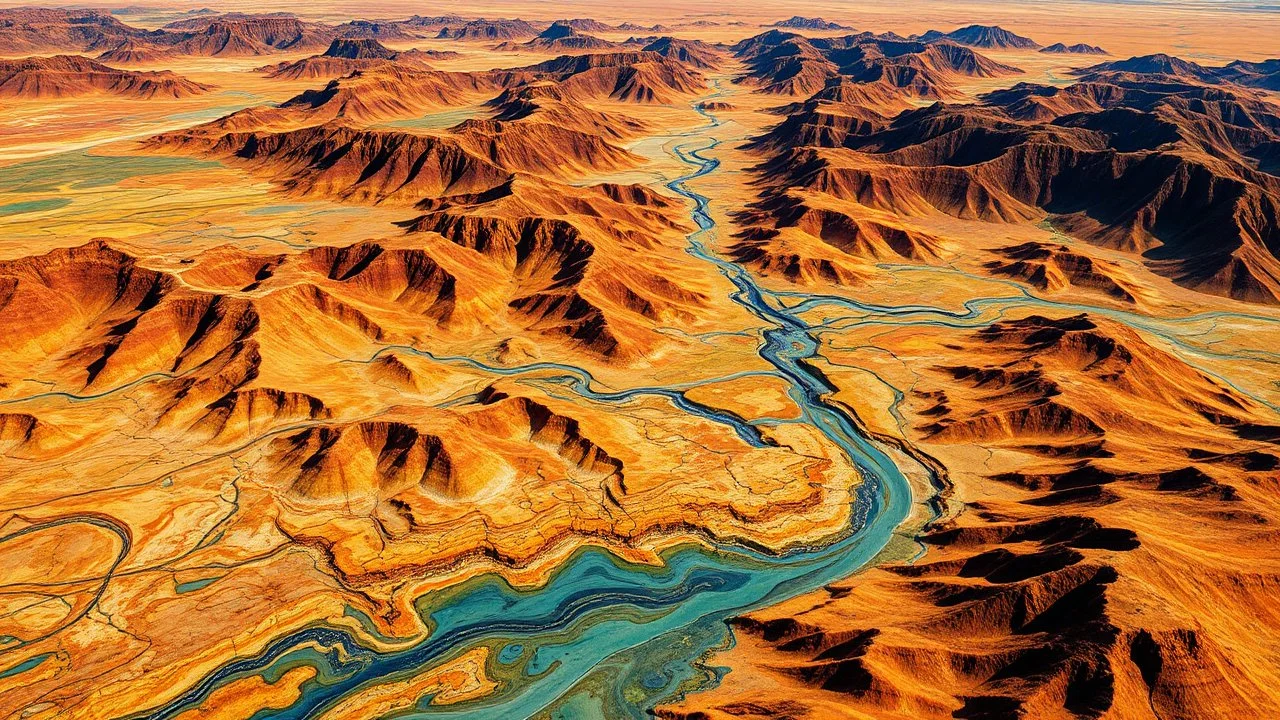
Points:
(1076, 582)
(1173, 171)
(789, 64)
(72, 75)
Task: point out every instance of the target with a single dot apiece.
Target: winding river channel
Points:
(602, 638)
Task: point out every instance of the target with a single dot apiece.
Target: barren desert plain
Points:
(389, 359)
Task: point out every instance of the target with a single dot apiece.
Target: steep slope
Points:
(358, 49)
(319, 142)
(344, 57)
(560, 37)
(1168, 171)
(630, 76)
(382, 165)
(1264, 75)
(237, 34)
(72, 75)
(1158, 65)
(694, 53)
(801, 238)
(797, 22)
(566, 256)
(432, 24)
(41, 30)
(1057, 267)
(296, 407)
(1076, 581)
(435, 365)
(784, 63)
(587, 25)
(383, 90)
(135, 52)
(243, 349)
(983, 36)
(374, 30)
(526, 252)
(1076, 49)
(93, 316)
(841, 107)
(552, 103)
(490, 30)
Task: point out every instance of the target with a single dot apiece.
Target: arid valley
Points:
(594, 360)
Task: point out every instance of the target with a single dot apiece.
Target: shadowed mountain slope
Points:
(1175, 172)
(1072, 585)
(70, 75)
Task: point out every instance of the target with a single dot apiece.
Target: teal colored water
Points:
(436, 121)
(193, 585)
(85, 171)
(275, 210)
(510, 653)
(28, 206)
(25, 665)
(212, 113)
(604, 638)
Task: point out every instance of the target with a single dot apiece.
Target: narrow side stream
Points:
(602, 637)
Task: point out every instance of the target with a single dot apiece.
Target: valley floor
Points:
(679, 380)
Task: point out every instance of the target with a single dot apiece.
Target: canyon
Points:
(631, 362)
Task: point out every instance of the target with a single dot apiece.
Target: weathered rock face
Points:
(231, 35)
(403, 373)
(71, 75)
(790, 64)
(32, 30)
(490, 30)
(1054, 592)
(983, 36)
(1172, 169)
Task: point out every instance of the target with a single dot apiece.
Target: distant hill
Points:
(1077, 49)
(991, 37)
(803, 23)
